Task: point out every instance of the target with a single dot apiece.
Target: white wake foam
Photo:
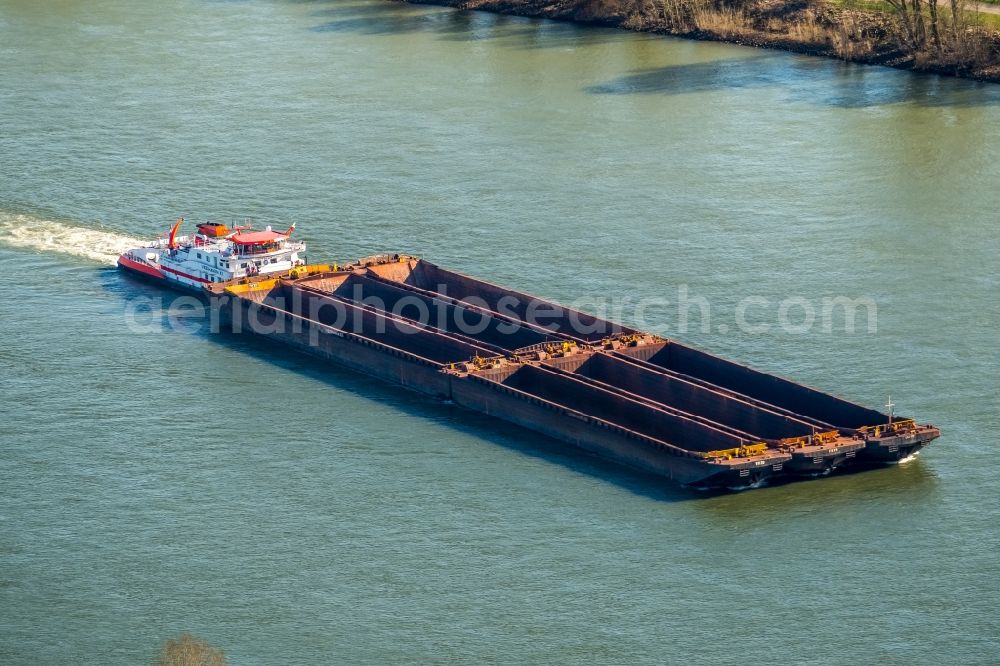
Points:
(909, 458)
(26, 231)
(759, 483)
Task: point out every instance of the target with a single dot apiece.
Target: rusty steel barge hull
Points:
(634, 398)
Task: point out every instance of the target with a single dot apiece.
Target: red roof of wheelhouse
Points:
(257, 237)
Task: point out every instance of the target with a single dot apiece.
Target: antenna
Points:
(889, 405)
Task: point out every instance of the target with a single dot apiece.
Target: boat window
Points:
(199, 255)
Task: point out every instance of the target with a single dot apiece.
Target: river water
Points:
(157, 478)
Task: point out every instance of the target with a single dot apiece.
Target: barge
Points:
(638, 399)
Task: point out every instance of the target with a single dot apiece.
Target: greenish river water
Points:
(165, 479)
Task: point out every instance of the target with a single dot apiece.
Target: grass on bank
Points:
(991, 21)
(972, 17)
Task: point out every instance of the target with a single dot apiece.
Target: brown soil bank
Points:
(952, 38)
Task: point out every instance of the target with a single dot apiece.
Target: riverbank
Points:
(918, 35)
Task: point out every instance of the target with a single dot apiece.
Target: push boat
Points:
(638, 399)
(214, 253)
